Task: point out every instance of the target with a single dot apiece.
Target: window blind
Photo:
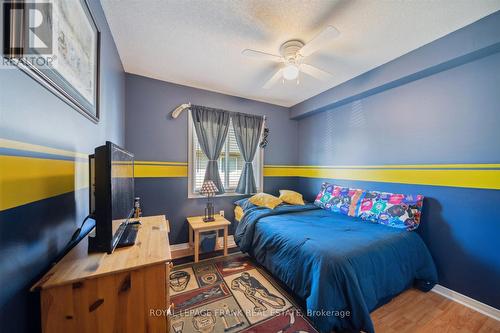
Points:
(230, 162)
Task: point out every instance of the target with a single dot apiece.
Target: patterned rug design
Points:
(231, 294)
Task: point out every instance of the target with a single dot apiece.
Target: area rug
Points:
(231, 294)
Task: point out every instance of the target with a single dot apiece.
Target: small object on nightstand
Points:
(137, 207)
(209, 189)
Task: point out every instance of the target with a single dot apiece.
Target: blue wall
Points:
(464, 45)
(32, 234)
(153, 135)
(443, 114)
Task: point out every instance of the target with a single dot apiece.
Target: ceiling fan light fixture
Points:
(290, 72)
(292, 54)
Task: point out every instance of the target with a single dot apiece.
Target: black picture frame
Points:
(16, 32)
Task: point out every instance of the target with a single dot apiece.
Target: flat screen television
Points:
(112, 171)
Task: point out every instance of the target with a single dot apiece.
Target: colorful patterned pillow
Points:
(401, 211)
(338, 199)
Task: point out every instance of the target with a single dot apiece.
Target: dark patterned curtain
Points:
(211, 126)
(247, 129)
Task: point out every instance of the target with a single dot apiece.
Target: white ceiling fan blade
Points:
(261, 55)
(278, 75)
(319, 41)
(315, 72)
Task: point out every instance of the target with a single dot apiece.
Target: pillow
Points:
(338, 199)
(238, 213)
(265, 200)
(400, 211)
(291, 197)
(245, 204)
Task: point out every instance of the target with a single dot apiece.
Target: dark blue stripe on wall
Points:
(31, 237)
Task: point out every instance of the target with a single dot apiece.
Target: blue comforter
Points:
(341, 267)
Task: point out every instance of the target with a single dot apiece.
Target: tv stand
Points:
(100, 292)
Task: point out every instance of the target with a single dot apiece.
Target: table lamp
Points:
(209, 189)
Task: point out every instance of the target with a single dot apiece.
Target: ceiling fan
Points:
(292, 54)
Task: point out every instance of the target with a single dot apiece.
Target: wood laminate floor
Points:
(415, 311)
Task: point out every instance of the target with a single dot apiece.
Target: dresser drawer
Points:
(131, 301)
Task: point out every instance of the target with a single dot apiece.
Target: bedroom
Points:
(392, 104)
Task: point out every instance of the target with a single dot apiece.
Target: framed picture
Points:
(57, 42)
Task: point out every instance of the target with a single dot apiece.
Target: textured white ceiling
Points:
(199, 42)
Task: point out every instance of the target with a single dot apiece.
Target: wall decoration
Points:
(58, 44)
(265, 140)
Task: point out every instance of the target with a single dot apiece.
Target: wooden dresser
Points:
(126, 291)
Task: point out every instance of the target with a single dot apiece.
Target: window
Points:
(230, 163)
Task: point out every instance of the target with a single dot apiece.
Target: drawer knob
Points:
(125, 285)
(96, 304)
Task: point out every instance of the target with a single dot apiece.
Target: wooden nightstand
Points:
(196, 225)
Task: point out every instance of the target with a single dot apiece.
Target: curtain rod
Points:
(178, 110)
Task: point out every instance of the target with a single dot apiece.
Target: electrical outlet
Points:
(221, 213)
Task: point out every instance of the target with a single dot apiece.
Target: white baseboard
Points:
(467, 301)
(177, 247)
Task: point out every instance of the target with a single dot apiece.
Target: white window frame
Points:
(191, 167)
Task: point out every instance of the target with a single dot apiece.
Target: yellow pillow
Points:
(291, 197)
(265, 200)
(238, 213)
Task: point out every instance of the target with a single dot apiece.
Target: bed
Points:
(341, 267)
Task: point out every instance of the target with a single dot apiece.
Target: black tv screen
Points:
(114, 195)
(122, 183)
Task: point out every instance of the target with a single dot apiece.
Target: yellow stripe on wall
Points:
(456, 175)
(160, 169)
(26, 179)
(485, 178)
(393, 166)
